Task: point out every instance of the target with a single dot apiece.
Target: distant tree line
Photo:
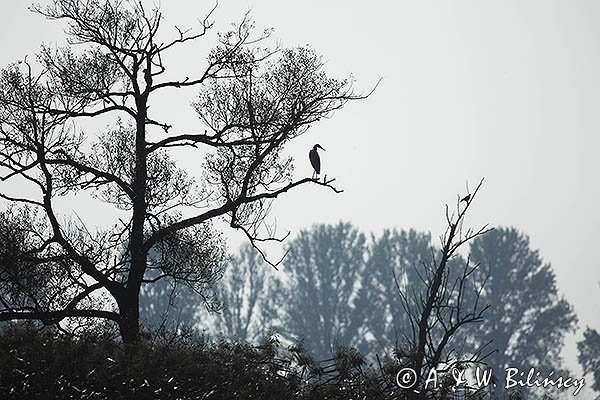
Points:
(338, 287)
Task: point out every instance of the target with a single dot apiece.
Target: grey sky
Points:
(506, 90)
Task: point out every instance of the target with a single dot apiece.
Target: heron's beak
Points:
(321, 148)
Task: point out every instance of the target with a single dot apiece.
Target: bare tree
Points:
(252, 101)
(445, 300)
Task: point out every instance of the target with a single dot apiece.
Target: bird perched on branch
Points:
(315, 160)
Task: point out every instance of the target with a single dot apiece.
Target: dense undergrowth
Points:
(43, 364)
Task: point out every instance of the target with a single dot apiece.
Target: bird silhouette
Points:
(466, 198)
(315, 160)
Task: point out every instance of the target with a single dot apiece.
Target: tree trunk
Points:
(129, 326)
(129, 304)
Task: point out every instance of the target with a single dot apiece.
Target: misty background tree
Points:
(589, 355)
(324, 267)
(250, 297)
(528, 319)
(252, 101)
(328, 260)
(241, 305)
(397, 253)
(167, 305)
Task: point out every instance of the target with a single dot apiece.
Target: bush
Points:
(45, 364)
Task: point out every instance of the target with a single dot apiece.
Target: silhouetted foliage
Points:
(252, 102)
(43, 365)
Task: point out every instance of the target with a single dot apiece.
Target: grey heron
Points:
(315, 160)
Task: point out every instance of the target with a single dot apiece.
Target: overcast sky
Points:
(506, 90)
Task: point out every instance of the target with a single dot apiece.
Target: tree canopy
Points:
(252, 100)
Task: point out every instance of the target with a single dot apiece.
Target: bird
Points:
(466, 198)
(315, 160)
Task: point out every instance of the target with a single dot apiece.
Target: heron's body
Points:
(314, 158)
